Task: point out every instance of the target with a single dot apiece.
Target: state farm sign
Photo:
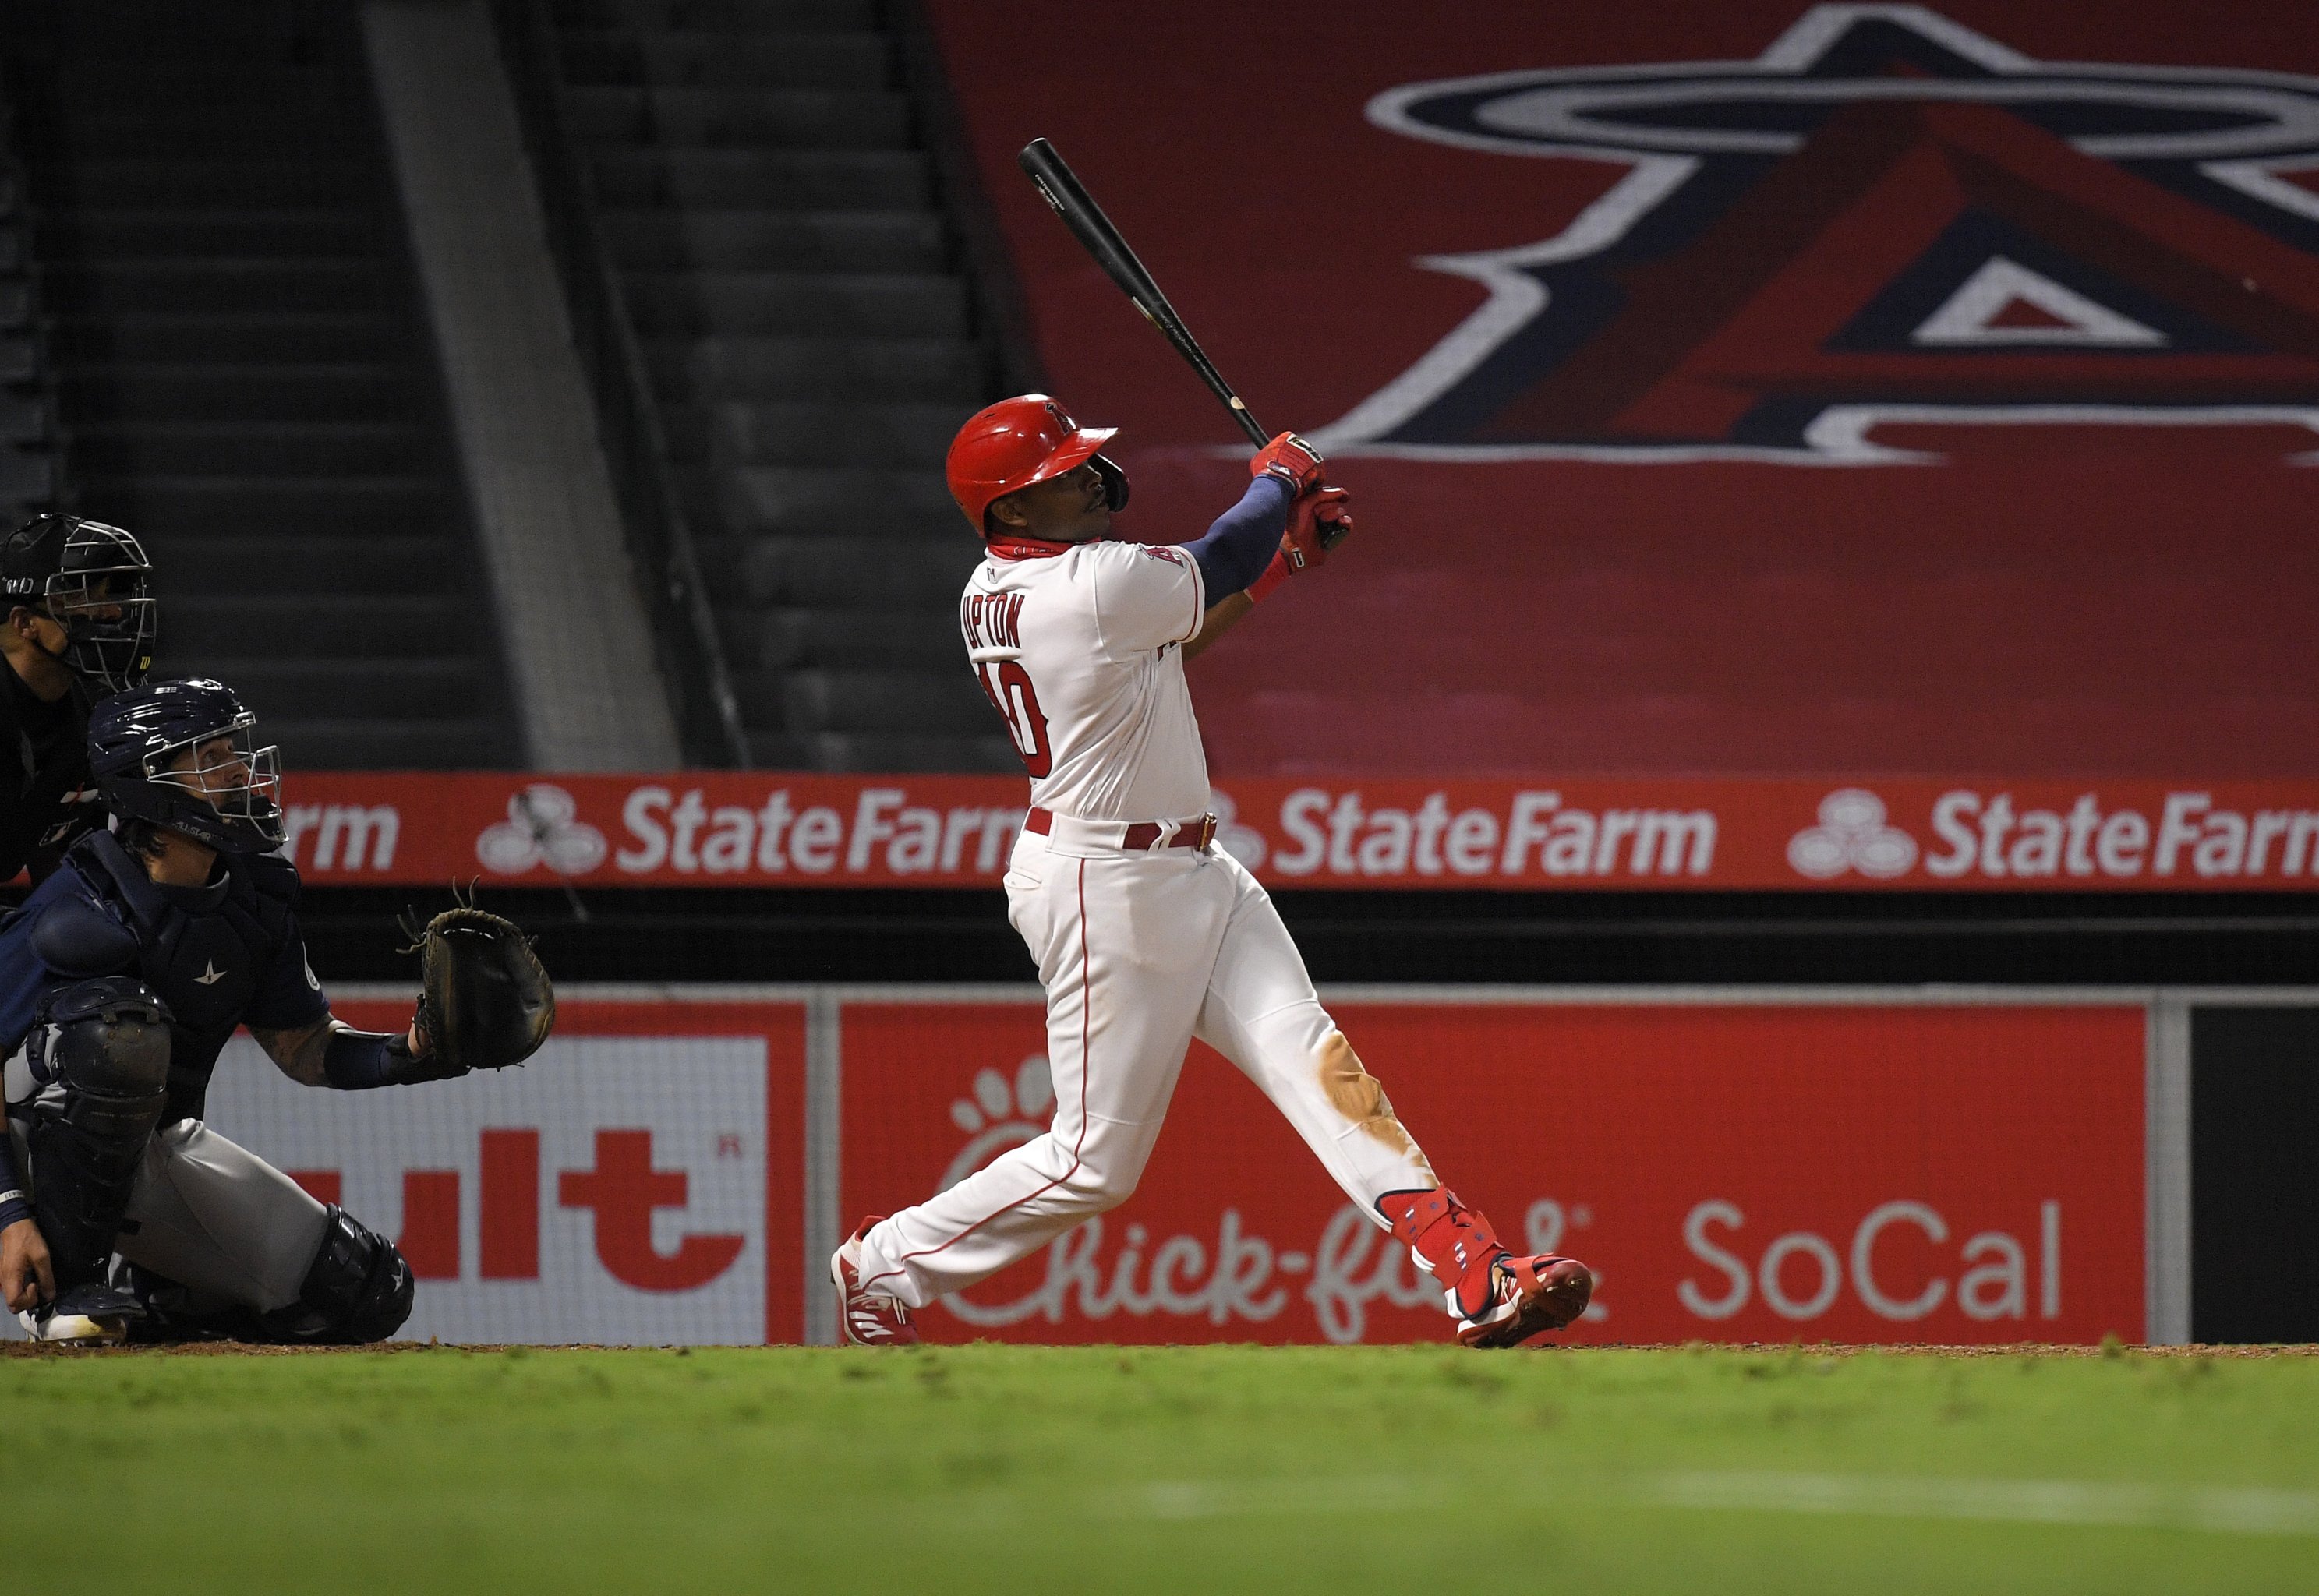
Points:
(764, 829)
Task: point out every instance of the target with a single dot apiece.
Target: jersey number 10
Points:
(1007, 685)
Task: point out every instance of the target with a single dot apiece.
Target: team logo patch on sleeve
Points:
(1884, 218)
(1174, 556)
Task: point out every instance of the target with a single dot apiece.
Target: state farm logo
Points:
(1884, 218)
(543, 827)
(1851, 835)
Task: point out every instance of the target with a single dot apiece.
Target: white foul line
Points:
(2224, 1509)
(2220, 1509)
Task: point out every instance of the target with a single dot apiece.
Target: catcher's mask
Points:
(185, 755)
(1016, 442)
(93, 581)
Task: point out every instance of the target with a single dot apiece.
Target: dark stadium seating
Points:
(792, 280)
(27, 466)
(245, 373)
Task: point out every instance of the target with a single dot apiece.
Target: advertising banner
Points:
(1867, 1174)
(1758, 386)
(637, 1181)
(769, 829)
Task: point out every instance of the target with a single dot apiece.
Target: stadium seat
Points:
(243, 370)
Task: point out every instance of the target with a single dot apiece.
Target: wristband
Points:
(1278, 572)
(359, 1060)
(13, 1207)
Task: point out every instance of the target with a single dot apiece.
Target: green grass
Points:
(1104, 1469)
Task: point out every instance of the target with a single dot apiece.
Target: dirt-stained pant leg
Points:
(1125, 944)
(215, 1217)
(1261, 1013)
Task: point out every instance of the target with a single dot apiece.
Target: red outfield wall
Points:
(1746, 1174)
(665, 1169)
(1950, 429)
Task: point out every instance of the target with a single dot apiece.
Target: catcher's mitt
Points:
(485, 1000)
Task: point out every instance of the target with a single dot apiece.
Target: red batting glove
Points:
(1319, 522)
(1291, 459)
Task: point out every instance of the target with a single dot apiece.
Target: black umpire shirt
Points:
(43, 771)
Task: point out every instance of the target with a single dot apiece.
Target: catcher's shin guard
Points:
(101, 1052)
(1498, 1298)
(358, 1289)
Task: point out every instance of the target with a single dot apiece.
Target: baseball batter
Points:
(1146, 935)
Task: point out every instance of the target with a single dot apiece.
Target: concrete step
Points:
(765, 501)
(930, 370)
(861, 304)
(789, 119)
(237, 185)
(251, 339)
(334, 513)
(282, 560)
(168, 232)
(212, 132)
(752, 59)
(784, 180)
(787, 638)
(658, 16)
(922, 703)
(414, 688)
(26, 475)
(220, 284)
(885, 242)
(382, 742)
(797, 433)
(336, 624)
(319, 393)
(286, 450)
(229, 85)
(837, 572)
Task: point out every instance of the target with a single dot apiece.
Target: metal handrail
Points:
(659, 533)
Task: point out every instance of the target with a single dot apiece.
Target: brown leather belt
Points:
(1136, 836)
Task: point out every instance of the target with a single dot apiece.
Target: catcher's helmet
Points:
(91, 579)
(1020, 441)
(182, 754)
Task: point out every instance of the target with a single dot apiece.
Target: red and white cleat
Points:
(871, 1318)
(1527, 1295)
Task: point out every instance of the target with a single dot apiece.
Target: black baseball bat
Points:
(1071, 202)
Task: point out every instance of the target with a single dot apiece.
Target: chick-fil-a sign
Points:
(1742, 1173)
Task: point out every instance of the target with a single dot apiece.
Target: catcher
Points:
(123, 1215)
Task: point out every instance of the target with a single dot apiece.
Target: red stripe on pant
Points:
(1085, 1065)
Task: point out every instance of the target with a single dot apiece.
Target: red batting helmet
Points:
(1020, 441)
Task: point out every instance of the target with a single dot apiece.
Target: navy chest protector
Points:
(203, 952)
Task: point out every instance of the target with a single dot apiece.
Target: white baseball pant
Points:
(1139, 953)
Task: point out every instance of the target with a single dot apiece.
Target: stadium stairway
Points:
(245, 375)
(791, 279)
(27, 468)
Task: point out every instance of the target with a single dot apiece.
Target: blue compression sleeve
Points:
(1243, 539)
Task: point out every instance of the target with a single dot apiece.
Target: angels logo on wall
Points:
(1885, 218)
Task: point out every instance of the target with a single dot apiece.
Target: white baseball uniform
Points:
(1139, 949)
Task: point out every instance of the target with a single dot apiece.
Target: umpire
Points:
(81, 625)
